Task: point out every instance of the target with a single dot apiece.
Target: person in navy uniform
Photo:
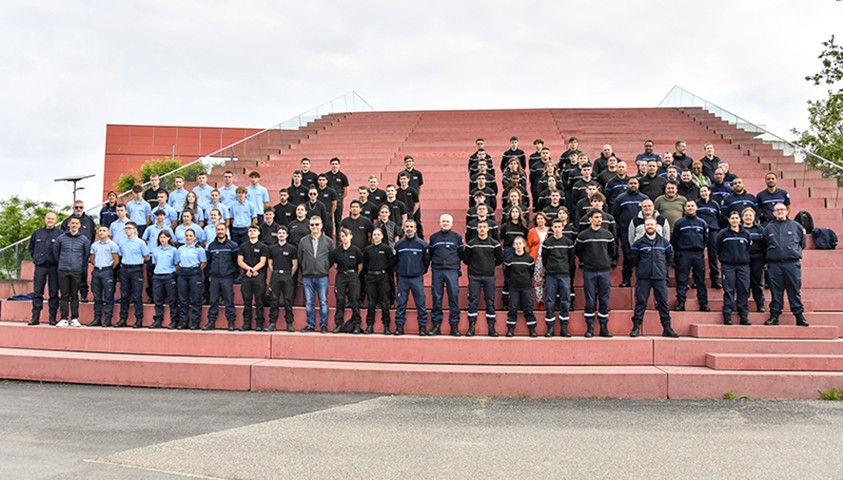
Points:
(222, 269)
(733, 249)
(46, 269)
(770, 196)
(558, 258)
(595, 247)
(785, 240)
(412, 259)
(446, 249)
(519, 267)
(690, 238)
(651, 254)
(482, 254)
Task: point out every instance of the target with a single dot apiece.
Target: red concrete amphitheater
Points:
(708, 361)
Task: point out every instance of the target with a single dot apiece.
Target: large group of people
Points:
(185, 248)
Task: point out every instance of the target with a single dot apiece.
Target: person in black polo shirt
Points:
(409, 196)
(367, 208)
(269, 227)
(379, 262)
(251, 258)
(482, 254)
(285, 211)
(337, 181)
(348, 259)
(283, 263)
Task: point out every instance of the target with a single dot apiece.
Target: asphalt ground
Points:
(57, 431)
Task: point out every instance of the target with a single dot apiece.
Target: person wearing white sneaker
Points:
(71, 252)
(75, 323)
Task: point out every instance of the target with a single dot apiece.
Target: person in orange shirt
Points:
(535, 238)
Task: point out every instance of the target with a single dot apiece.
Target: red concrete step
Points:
(122, 369)
(705, 383)
(767, 332)
(692, 351)
(479, 380)
(778, 362)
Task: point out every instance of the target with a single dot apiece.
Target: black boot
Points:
(95, 323)
(273, 326)
(470, 331)
(800, 320)
(172, 325)
(106, 323)
(399, 330)
(636, 331)
(370, 329)
(532, 329)
(155, 324)
(258, 325)
(680, 306)
(210, 325)
(338, 327)
(604, 331)
(230, 326)
(705, 308)
(386, 329)
(727, 319)
(492, 331)
(549, 332)
(182, 325)
(624, 283)
(138, 324)
(715, 284)
(290, 327)
(589, 331)
(668, 332)
(36, 320)
(563, 331)
(436, 330)
(745, 321)
(423, 331)
(510, 331)
(194, 325)
(773, 320)
(455, 330)
(247, 325)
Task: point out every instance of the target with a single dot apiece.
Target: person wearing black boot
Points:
(192, 260)
(251, 258)
(733, 245)
(165, 260)
(482, 255)
(785, 242)
(411, 261)
(690, 238)
(379, 262)
(595, 247)
(520, 267)
(46, 272)
(651, 255)
(133, 254)
(558, 258)
(105, 258)
(221, 268)
(347, 259)
(282, 265)
(757, 257)
(446, 250)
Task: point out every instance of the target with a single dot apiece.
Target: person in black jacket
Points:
(651, 254)
(689, 238)
(347, 258)
(283, 263)
(595, 246)
(446, 248)
(757, 257)
(733, 250)
(785, 240)
(379, 263)
(482, 254)
(519, 267)
(221, 268)
(558, 258)
(709, 210)
(46, 270)
(252, 258)
(88, 228)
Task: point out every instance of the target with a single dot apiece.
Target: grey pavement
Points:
(69, 431)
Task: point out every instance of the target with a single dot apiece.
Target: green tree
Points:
(19, 217)
(824, 135)
(161, 166)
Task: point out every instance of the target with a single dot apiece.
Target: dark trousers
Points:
(222, 287)
(597, 286)
(686, 260)
(281, 294)
(83, 282)
(784, 276)
(150, 274)
(628, 265)
(131, 290)
(45, 276)
(736, 289)
(756, 279)
(557, 285)
(69, 286)
(445, 279)
(377, 289)
(102, 286)
(190, 295)
(643, 286)
(407, 286)
(485, 284)
(419, 226)
(347, 287)
(164, 289)
(520, 300)
(240, 234)
(507, 251)
(713, 261)
(252, 290)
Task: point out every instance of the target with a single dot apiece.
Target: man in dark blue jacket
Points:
(222, 269)
(690, 238)
(652, 254)
(785, 241)
(412, 258)
(71, 252)
(88, 228)
(446, 251)
(46, 273)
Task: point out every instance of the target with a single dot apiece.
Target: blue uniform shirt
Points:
(242, 214)
(181, 229)
(117, 230)
(257, 196)
(228, 195)
(151, 235)
(177, 198)
(172, 214)
(191, 257)
(203, 195)
(165, 260)
(132, 251)
(223, 208)
(139, 212)
(211, 233)
(103, 253)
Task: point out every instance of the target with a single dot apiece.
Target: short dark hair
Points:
(593, 211)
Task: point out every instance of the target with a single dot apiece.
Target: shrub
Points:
(161, 166)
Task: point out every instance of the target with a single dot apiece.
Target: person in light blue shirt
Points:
(243, 214)
(171, 213)
(165, 259)
(138, 209)
(257, 194)
(192, 203)
(192, 259)
(105, 255)
(203, 191)
(187, 224)
(117, 230)
(228, 191)
(179, 194)
(133, 253)
(151, 238)
(214, 217)
(216, 203)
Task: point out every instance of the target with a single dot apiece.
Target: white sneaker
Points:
(75, 323)
(63, 323)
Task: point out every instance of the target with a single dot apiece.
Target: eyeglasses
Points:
(77, 207)
(315, 224)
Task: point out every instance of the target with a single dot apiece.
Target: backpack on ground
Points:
(806, 220)
(824, 239)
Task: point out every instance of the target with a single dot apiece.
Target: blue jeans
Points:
(596, 284)
(102, 285)
(557, 285)
(316, 286)
(446, 279)
(407, 285)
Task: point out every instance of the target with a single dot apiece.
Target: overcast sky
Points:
(69, 68)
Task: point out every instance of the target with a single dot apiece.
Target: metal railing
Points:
(252, 148)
